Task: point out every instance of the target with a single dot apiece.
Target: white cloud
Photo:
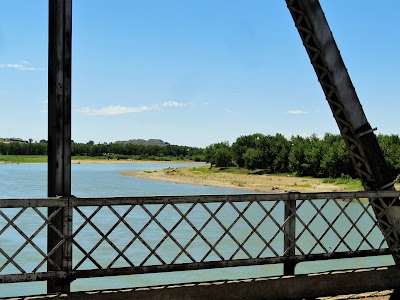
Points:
(297, 112)
(174, 104)
(115, 110)
(21, 66)
(228, 110)
(119, 109)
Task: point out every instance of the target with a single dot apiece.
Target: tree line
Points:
(303, 156)
(111, 150)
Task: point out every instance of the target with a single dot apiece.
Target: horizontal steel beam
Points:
(231, 263)
(27, 277)
(73, 201)
(76, 274)
(44, 202)
(174, 199)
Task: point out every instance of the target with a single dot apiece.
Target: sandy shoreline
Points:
(133, 162)
(114, 161)
(261, 183)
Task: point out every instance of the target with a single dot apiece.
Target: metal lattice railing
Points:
(24, 224)
(119, 236)
(176, 224)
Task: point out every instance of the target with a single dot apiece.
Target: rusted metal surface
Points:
(44, 202)
(59, 134)
(29, 277)
(340, 93)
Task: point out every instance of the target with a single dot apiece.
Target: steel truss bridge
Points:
(201, 239)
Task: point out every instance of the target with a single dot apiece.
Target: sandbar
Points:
(260, 183)
(132, 161)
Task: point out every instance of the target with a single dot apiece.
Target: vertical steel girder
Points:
(340, 93)
(332, 75)
(59, 136)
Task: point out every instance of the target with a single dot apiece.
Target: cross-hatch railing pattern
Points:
(119, 236)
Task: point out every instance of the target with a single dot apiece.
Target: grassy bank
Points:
(348, 183)
(38, 158)
(23, 159)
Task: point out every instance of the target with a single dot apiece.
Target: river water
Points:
(103, 180)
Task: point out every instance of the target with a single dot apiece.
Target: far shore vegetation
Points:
(325, 158)
(43, 158)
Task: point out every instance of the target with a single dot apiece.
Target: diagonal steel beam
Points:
(347, 110)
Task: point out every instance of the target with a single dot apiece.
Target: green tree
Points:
(296, 155)
(280, 149)
(390, 145)
(336, 161)
(242, 143)
(314, 150)
(253, 158)
(219, 155)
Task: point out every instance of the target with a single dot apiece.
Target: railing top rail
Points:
(95, 201)
(34, 202)
(292, 195)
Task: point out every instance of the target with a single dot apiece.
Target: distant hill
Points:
(152, 142)
(12, 140)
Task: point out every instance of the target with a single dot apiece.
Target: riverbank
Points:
(135, 162)
(22, 159)
(225, 179)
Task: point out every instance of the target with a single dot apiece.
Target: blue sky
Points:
(194, 72)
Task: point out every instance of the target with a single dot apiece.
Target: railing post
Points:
(67, 249)
(290, 234)
(59, 138)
